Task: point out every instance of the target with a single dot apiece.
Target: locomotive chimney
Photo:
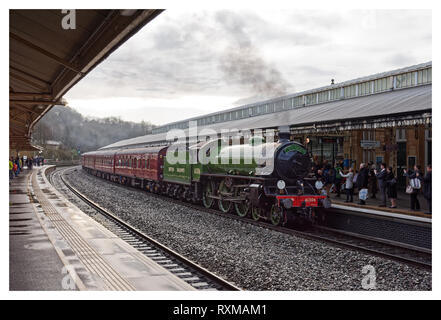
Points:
(284, 134)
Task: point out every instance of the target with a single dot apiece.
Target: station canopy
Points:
(47, 59)
(401, 107)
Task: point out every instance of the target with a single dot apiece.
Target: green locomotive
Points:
(266, 180)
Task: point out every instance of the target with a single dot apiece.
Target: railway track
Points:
(197, 276)
(418, 257)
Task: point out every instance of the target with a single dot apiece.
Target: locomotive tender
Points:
(276, 192)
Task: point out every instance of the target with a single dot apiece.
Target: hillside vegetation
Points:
(76, 132)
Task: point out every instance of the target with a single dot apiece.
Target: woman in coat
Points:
(362, 180)
(391, 186)
(349, 185)
(427, 187)
(415, 174)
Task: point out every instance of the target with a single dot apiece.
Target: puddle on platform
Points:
(24, 219)
(19, 233)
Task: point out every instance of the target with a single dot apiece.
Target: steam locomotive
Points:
(233, 180)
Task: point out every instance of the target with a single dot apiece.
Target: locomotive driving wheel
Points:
(207, 201)
(256, 213)
(224, 205)
(243, 207)
(277, 215)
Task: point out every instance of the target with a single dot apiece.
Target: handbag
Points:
(415, 183)
(409, 189)
(318, 185)
(363, 194)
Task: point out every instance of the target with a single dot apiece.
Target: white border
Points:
(199, 4)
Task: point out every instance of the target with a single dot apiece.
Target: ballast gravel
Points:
(251, 257)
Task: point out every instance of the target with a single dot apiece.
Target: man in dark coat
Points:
(363, 179)
(372, 180)
(427, 187)
(381, 177)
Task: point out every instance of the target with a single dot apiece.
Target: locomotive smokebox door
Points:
(255, 194)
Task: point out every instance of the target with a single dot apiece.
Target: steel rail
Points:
(221, 283)
(370, 246)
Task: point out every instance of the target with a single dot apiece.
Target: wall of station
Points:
(400, 147)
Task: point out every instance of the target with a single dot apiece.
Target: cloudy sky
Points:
(185, 64)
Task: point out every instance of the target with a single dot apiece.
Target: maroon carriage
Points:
(140, 165)
(105, 163)
(88, 160)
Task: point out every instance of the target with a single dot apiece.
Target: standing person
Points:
(349, 185)
(326, 165)
(17, 162)
(427, 187)
(329, 176)
(14, 168)
(372, 180)
(315, 165)
(11, 169)
(354, 179)
(391, 185)
(320, 181)
(338, 178)
(415, 186)
(363, 180)
(381, 177)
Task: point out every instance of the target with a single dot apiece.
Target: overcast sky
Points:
(185, 64)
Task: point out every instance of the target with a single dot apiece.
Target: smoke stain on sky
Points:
(242, 63)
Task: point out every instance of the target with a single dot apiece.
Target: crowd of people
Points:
(368, 182)
(17, 164)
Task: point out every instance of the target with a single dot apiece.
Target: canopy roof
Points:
(395, 105)
(46, 60)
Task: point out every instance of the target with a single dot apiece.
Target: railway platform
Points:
(56, 246)
(398, 226)
(403, 205)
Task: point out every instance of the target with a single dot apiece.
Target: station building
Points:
(386, 117)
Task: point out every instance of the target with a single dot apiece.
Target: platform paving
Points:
(34, 263)
(55, 246)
